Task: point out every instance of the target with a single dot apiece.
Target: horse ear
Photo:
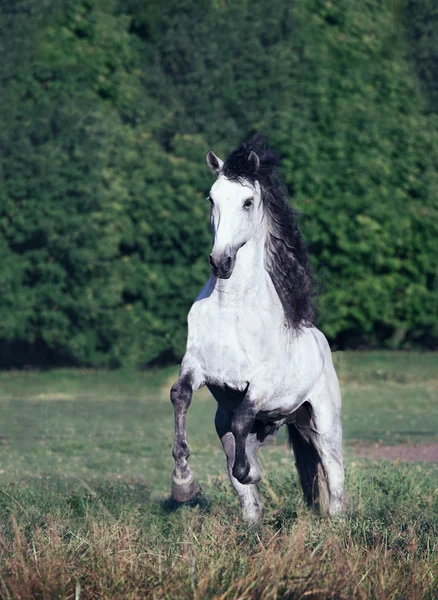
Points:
(254, 161)
(214, 162)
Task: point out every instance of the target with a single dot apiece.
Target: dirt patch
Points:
(403, 452)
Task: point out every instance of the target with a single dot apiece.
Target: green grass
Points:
(85, 477)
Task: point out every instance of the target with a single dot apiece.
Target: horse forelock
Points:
(286, 258)
(237, 166)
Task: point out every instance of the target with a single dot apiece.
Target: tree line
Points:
(108, 109)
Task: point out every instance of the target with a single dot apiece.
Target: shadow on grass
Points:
(170, 505)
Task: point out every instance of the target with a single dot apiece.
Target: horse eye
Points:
(210, 199)
(247, 203)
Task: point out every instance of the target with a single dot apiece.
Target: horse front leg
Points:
(248, 494)
(183, 483)
(242, 423)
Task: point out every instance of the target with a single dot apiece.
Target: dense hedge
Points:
(420, 20)
(107, 112)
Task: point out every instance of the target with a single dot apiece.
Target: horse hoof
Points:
(184, 490)
(252, 517)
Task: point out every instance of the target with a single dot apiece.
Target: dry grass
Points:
(209, 557)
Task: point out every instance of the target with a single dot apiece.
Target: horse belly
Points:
(227, 397)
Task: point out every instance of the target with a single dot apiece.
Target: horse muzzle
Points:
(222, 268)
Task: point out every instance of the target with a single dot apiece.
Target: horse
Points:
(252, 342)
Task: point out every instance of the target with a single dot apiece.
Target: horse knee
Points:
(181, 393)
(241, 472)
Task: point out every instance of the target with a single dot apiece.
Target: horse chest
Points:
(228, 342)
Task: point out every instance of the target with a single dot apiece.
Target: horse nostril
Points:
(227, 264)
(212, 263)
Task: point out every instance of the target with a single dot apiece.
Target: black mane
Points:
(287, 259)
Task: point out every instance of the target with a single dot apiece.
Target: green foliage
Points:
(420, 20)
(95, 270)
(362, 164)
(108, 109)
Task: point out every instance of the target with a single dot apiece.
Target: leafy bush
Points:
(108, 110)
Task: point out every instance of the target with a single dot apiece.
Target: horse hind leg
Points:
(318, 456)
(329, 448)
(309, 469)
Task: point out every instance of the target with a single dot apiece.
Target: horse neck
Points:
(249, 274)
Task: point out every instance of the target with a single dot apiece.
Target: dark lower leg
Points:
(248, 494)
(183, 485)
(241, 425)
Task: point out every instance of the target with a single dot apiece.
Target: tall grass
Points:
(85, 477)
(113, 542)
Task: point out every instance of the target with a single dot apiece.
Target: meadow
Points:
(85, 478)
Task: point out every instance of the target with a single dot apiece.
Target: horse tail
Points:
(309, 467)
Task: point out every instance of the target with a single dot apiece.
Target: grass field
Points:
(85, 478)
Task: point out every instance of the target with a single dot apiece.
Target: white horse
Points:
(251, 341)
